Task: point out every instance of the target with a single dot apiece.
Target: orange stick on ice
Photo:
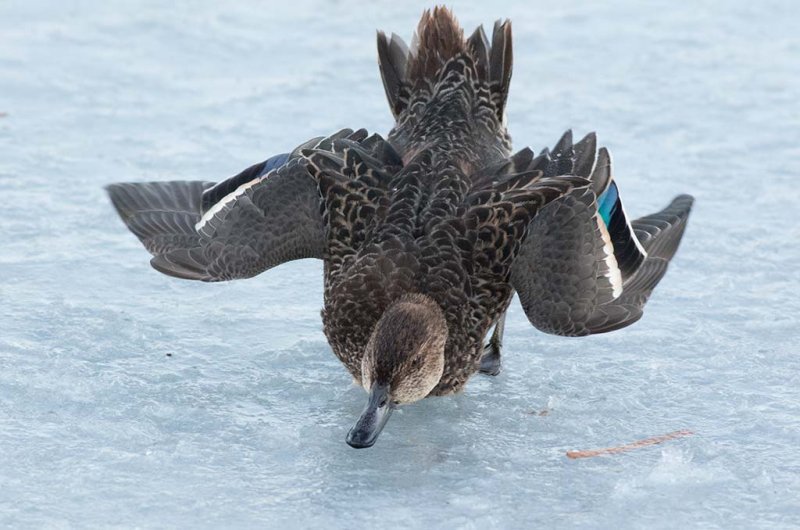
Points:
(627, 447)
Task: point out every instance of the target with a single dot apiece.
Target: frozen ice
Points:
(131, 399)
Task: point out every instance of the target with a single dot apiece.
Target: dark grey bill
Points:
(370, 424)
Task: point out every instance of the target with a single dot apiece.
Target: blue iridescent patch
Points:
(607, 202)
(274, 162)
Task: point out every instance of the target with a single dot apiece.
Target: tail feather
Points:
(393, 58)
(501, 61)
(438, 39)
(479, 47)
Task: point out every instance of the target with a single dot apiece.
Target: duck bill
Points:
(370, 424)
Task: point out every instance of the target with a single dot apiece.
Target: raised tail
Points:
(459, 77)
(438, 39)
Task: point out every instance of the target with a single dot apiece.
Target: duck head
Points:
(403, 362)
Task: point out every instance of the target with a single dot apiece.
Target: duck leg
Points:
(490, 362)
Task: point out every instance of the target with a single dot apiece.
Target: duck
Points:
(428, 233)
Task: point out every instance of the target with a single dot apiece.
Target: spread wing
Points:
(267, 215)
(584, 268)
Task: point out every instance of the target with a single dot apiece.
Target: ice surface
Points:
(131, 399)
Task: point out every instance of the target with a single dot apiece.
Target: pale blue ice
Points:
(131, 399)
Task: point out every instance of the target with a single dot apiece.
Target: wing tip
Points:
(164, 265)
(116, 193)
(682, 203)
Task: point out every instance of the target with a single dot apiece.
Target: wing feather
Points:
(584, 267)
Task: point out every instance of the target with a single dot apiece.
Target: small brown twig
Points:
(627, 447)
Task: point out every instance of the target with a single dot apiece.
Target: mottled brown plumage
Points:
(427, 234)
(438, 39)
